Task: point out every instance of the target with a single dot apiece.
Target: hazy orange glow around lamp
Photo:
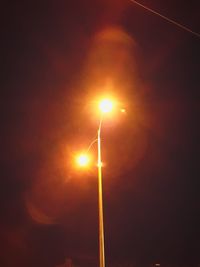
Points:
(105, 106)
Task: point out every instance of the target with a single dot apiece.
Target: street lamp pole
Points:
(100, 198)
(105, 106)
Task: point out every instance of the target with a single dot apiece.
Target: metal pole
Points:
(101, 224)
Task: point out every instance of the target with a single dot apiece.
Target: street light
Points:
(83, 160)
(105, 106)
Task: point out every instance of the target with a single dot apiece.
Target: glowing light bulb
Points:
(83, 160)
(106, 105)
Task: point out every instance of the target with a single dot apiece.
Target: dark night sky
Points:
(50, 57)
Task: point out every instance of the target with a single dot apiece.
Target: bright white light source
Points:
(83, 160)
(106, 105)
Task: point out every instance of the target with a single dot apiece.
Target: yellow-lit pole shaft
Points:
(100, 195)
